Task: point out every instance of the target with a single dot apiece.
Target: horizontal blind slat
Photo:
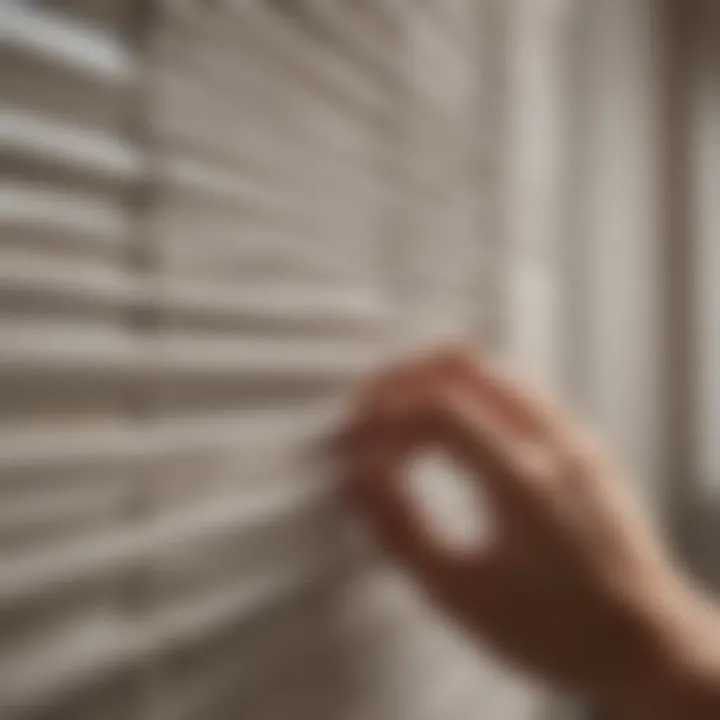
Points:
(57, 39)
(74, 149)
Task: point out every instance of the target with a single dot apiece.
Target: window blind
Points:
(215, 217)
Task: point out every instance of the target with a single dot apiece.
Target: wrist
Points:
(675, 670)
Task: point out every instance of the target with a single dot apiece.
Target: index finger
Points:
(437, 411)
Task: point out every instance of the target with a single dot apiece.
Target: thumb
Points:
(376, 487)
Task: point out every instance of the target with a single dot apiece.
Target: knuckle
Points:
(540, 468)
(585, 461)
(455, 356)
(436, 413)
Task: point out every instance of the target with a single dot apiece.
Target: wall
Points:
(703, 108)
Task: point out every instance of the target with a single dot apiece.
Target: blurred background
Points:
(216, 215)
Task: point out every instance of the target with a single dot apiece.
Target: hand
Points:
(572, 582)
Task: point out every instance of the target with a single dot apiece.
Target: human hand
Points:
(572, 582)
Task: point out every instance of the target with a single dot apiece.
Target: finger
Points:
(377, 489)
(384, 408)
(444, 417)
(392, 389)
(472, 434)
(437, 410)
(524, 410)
(434, 406)
(522, 406)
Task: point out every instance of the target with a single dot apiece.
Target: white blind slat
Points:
(56, 39)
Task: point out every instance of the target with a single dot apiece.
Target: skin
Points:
(572, 583)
